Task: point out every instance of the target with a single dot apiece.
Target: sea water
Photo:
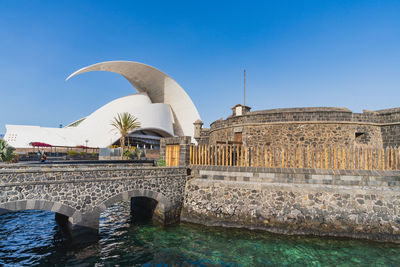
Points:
(32, 238)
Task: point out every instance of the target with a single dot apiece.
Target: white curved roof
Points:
(160, 88)
(96, 128)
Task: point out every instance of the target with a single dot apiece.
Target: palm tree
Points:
(124, 123)
(7, 153)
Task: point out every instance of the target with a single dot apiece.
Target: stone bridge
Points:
(78, 194)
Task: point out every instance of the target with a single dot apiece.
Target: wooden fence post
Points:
(300, 151)
(334, 158)
(246, 156)
(308, 157)
(198, 155)
(343, 158)
(370, 159)
(194, 155)
(270, 157)
(202, 155)
(221, 155)
(215, 154)
(292, 157)
(361, 158)
(391, 158)
(237, 154)
(190, 153)
(265, 157)
(365, 158)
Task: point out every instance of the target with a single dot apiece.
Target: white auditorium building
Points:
(161, 105)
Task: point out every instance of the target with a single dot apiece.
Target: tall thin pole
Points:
(244, 83)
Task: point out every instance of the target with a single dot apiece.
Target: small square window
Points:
(359, 135)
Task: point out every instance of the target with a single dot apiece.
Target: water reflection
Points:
(32, 238)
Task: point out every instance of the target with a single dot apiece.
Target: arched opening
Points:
(128, 215)
(145, 202)
(59, 213)
(132, 210)
(142, 208)
(27, 228)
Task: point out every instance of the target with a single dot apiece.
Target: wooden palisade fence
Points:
(345, 158)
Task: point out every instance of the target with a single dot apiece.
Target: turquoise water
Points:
(32, 238)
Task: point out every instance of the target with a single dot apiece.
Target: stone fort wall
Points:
(308, 126)
(358, 204)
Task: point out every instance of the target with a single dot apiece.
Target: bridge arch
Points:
(37, 204)
(162, 210)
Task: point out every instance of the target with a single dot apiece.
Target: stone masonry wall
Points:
(359, 204)
(302, 134)
(315, 126)
(391, 135)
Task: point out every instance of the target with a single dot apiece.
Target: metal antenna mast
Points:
(244, 83)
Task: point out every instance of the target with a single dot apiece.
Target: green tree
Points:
(124, 123)
(7, 153)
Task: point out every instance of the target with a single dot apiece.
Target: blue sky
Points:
(296, 54)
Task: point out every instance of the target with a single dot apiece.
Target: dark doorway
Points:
(238, 137)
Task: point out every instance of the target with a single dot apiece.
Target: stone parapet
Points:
(320, 114)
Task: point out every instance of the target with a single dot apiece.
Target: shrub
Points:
(72, 153)
(83, 153)
(161, 162)
(7, 153)
(127, 154)
(138, 153)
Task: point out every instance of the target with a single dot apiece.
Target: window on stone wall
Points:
(361, 137)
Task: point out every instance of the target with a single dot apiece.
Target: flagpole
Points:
(244, 86)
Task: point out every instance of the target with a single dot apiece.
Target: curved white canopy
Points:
(160, 88)
(96, 130)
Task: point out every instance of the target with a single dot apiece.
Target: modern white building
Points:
(161, 105)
